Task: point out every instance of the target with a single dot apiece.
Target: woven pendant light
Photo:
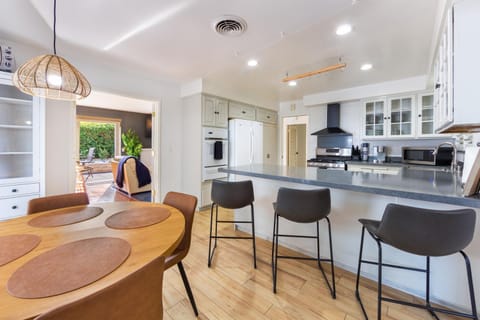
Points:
(51, 76)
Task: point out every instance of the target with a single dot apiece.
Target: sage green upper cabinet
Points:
(239, 110)
(214, 112)
(268, 116)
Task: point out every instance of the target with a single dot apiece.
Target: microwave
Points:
(426, 156)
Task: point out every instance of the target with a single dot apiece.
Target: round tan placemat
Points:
(137, 218)
(68, 267)
(64, 216)
(14, 246)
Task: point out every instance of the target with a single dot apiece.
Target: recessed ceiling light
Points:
(252, 63)
(366, 66)
(292, 83)
(344, 29)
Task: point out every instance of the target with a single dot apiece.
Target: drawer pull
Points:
(244, 112)
(14, 190)
(14, 207)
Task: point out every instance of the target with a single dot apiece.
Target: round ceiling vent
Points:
(230, 26)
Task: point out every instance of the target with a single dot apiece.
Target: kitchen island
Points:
(358, 195)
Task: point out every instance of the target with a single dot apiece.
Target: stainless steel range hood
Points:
(333, 123)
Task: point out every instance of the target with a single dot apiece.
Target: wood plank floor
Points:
(233, 289)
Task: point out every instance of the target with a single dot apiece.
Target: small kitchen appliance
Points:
(365, 149)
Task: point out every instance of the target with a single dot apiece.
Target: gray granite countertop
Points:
(411, 182)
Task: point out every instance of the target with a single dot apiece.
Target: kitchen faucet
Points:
(453, 166)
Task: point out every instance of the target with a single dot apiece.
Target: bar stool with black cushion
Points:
(231, 195)
(302, 206)
(424, 232)
(57, 202)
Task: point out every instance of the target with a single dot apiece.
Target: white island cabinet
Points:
(21, 145)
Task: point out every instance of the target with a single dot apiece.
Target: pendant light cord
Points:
(55, 27)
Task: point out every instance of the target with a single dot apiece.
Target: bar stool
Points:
(425, 232)
(231, 195)
(302, 206)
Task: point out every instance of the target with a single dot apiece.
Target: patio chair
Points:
(88, 159)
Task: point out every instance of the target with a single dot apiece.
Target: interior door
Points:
(297, 156)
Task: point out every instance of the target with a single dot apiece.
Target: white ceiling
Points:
(174, 39)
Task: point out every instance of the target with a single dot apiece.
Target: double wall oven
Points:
(215, 152)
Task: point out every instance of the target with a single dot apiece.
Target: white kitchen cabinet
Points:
(373, 168)
(456, 69)
(400, 116)
(425, 115)
(239, 110)
(267, 116)
(375, 116)
(21, 148)
(214, 112)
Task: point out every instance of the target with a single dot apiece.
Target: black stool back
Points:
(232, 195)
(426, 232)
(303, 206)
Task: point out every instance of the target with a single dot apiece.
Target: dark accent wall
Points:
(130, 120)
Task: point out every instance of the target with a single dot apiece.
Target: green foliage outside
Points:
(131, 143)
(98, 135)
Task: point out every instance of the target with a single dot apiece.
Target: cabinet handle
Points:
(14, 190)
(216, 112)
(243, 112)
(14, 207)
(437, 85)
(268, 117)
(419, 115)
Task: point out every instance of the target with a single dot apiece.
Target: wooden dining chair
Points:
(187, 204)
(138, 296)
(57, 202)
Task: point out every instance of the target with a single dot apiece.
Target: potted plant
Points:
(131, 143)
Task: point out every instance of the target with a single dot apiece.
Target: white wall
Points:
(60, 153)
(192, 145)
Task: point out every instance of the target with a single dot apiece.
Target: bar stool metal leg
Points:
(253, 235)
(357, 292)
(470, 285)
(276, 255)
(379, 302)
(210, 252)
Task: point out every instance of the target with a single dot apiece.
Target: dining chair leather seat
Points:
(138, 296)
(57, 202)
(186, 204)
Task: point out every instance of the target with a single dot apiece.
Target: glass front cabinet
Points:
(21, 140)
(375, 118)
(400, 117)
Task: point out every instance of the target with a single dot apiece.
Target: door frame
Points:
(286, 121)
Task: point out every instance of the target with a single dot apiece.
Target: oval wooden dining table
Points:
(147, 243)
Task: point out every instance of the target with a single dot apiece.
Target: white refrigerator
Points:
(245, 142)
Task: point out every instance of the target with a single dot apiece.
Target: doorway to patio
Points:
(101, 124)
